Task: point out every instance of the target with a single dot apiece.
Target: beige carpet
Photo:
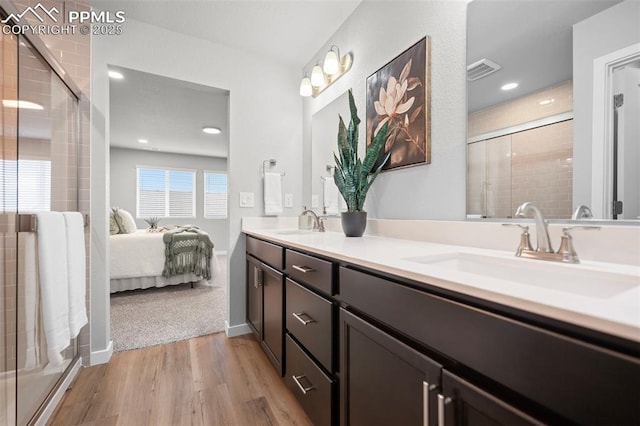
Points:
(142, 318)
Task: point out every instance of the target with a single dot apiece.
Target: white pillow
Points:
(128, 222)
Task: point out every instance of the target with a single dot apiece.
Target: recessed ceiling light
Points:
(115, 75)
(143, 141)
(509, 86)
(12, 103)
(546, 101)
(211, 130)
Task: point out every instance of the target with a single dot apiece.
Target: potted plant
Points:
(354, 176)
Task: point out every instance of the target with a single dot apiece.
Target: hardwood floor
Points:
(208, 380)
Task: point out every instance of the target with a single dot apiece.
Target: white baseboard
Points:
(236, 330)
(103, 356)
(57, 397)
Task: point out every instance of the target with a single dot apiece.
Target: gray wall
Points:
(123, 186)
(613, 29)
(264, 123)
(376, 33)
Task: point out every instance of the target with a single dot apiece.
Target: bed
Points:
(138, 262)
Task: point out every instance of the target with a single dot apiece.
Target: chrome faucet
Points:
(582, 212)
(566, 253)
(543, 241)
(318, 224)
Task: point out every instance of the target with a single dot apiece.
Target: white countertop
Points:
(615, 311)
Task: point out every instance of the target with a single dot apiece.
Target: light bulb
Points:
(317, 77)
(331, 62)
(305, 87)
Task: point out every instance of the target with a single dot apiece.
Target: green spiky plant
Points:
(153, 222)
(354, 176)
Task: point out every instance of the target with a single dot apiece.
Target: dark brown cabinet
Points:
(462, 403)
(265, 298)
(363, 347)
(384, 381)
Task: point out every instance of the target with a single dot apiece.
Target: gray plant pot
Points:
(354, 223)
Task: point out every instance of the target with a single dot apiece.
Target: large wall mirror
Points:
(543, 124)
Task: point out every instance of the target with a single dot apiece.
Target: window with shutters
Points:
(33, 193)
(165, 193)
(215, 195)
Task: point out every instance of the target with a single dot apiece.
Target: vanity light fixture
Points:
(210, 130)
(115, 75)
(324, 76)
(509, 86)
(318, 79)
(12, 103)
(305, 86)
(143, 141)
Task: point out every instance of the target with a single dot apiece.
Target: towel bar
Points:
(272, 162)
(29, 222)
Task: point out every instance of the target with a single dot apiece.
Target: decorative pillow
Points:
(115, 222)
(128, 222)
(113, 225)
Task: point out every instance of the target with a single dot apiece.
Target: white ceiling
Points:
(168, 113)
(530, 39)
(288, 31)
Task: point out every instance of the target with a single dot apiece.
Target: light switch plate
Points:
(315, 203)
(288, 200)
(246, 199)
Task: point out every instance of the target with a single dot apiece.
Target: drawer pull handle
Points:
(299, 316)
(442, 402)
(302, 388)
(303, 269)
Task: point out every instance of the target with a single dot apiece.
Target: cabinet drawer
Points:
(578, 381)
(309, 384)
(270, 254)
(309, 319)
(310, 270)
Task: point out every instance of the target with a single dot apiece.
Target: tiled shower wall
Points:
(532, 165)
(69, 183)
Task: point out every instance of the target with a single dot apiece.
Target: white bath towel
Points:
(272, 193)
(76, 269)
(31, 300)
(54, 288)
(331, 196)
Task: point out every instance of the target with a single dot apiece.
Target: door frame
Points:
(602, 127)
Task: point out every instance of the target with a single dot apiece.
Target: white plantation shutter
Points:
(215, 195)
(165, 193)
(27, 187)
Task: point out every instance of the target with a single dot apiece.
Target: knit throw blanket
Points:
(187, 249)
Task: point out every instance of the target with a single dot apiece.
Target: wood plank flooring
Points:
(208, 380)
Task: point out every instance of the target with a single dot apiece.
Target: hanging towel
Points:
(31, 301)
(54, 278)
(272, 193)
(74, 224)
(331, 197)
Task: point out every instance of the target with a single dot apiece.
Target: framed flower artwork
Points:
(399, 93)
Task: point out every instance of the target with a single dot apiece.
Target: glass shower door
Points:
(8, 234)
(47, 181)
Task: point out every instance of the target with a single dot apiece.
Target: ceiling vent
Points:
(480, 69)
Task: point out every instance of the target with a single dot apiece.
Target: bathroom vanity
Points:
(384, 331)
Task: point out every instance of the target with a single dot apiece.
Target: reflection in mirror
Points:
(529, 142)
(324, 132)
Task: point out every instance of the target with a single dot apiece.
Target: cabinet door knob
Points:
(299, 317)
(302, 388)
(303, 269)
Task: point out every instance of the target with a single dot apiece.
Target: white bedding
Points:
(141, 254)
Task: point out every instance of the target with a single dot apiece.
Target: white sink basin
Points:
(559, 277)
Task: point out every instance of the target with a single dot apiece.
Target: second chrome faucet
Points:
(544, 250)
